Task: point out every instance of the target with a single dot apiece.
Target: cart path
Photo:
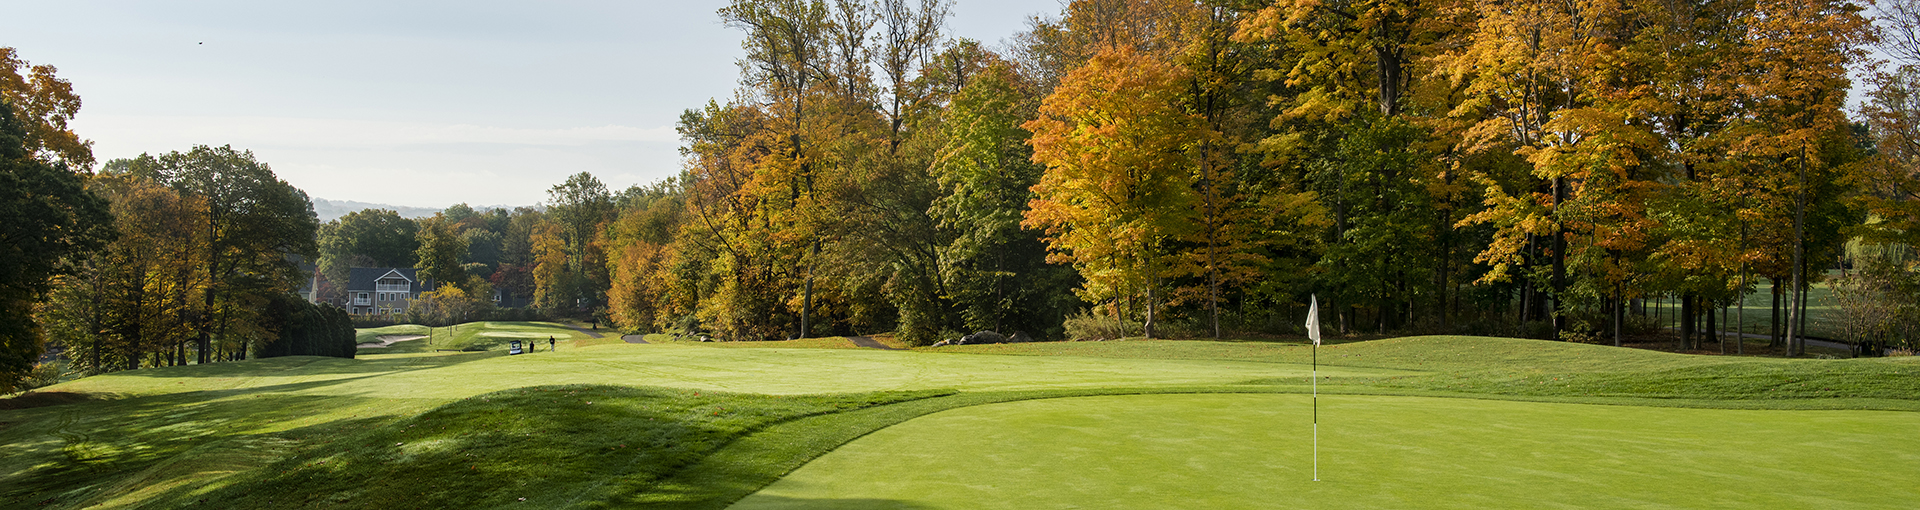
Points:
(635, 339)
(869, 343)
(1811, 341)
(590, 333)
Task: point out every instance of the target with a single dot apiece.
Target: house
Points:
(383, 290)
(310, 284)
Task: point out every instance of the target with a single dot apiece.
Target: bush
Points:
(1537, 330)
(307, 329)
(1088, 325)
(42, 375)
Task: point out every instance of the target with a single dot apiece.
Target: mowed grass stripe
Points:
(1253, 451)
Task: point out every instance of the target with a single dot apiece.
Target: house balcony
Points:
(362, 301)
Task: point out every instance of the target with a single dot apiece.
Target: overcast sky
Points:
(421, 104)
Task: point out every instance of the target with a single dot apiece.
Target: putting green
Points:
(1253, 451)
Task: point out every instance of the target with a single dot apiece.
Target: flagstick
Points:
(1313, 332)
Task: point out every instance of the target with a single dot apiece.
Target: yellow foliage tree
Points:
(1119, 180)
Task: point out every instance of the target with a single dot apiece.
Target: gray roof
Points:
(361, 278)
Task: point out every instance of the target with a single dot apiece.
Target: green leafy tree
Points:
(995, 272)
(254, 222)
(442, 252)
(366, 238)
(46, 217)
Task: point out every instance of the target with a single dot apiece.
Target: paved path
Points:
(590, 333)
(869, 343)
(1811, 342)
(635, 339)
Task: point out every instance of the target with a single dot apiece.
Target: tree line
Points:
(1182, 168)
(1122, 168)
(184, 257)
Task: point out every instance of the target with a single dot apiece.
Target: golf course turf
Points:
(687, 425)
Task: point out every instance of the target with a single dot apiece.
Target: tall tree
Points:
(140, 296)
(46, 217)
(442, 252)
(254, 222)
(581, 206)
(1118, 186)
(995, 272)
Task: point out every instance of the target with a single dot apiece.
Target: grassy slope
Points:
(163, 435)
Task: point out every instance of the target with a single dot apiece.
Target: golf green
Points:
(1254, 451)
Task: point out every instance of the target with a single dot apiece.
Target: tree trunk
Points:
(806, 293)
(1794, 345)
(1688, 313)
(1713, 328)
(1559, 261)
(1740, 317)
(1773, 323)
(1152, 306)
(1619, 313)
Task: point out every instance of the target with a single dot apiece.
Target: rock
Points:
(943, 343)
(1019, 337)
(983, 337)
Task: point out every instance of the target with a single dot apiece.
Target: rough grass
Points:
(253, 434)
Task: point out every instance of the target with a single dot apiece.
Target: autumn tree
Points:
(254, 221)
(140, 295)
(1117, 188)
(43, 104)
(639, 244)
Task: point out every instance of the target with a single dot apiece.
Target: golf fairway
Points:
(1254, 451)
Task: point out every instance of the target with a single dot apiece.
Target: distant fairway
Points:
(604, 423)
(1253, 451)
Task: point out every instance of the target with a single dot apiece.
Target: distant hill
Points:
(329, 210)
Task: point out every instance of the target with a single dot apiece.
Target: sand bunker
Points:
(386, 340)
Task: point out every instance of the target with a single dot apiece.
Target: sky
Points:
(422, 104)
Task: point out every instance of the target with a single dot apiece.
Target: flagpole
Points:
(1313, 332)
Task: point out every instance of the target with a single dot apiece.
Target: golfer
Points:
(549, 343)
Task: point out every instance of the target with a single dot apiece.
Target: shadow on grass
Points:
(570, 446)
(79, 456)
(827, 503)
(308, 365)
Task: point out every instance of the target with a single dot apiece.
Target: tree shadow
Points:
(305, 365)
(90, 452)
(786, 503)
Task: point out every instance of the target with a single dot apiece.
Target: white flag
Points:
(1313, 319)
